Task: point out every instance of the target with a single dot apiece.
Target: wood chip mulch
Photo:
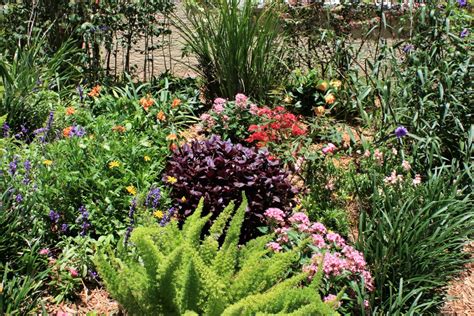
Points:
(460, 294)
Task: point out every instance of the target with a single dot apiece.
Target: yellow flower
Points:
(158, 214)
(114, 164)
(288, 99)
(48, 162)
(171, 180)
(336, 83)
(132, 190)
(146, 158)
(183, 199)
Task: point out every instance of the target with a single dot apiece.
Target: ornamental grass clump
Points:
(219, 171)
(173, 271)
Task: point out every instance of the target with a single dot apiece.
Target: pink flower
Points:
(329, 149)
(219, 101)
(330, 185)
(218, 108)
(406, 165)
(318, 228)
(241, 100)
(366, 303)
(367, 153)
(282, 234)
(44, 251)
(394, 151)
(318, 241)
(274, 246)
(61, 313)
(393, 178)
(299, 218)
(336, 239)
(275, 214)
(417, 180)
(333, 264)
(332, 298)
(225, 118)
(205, 117)
(73, 272)
(253, 109)
(378, 156)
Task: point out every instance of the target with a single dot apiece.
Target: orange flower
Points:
(147, 102)
(322, 86)
(172, 136)
(70, 110)
(161, 116)
(67, 131)
(95, 91)
(173, 146)
(119, 129)
(176, 103)
(320, 110)
(330, 98)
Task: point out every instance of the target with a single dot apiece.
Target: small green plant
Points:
(412, 238)
(172, 271)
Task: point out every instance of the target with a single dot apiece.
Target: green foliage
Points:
(172, 270)
(413, 240)
(238, 46)
(34, 84)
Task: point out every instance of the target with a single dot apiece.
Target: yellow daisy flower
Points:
(48, 162)
(114, 164)
(132, 190)
(183, 199)
(146, 158)
(158, 214)
(171, 180)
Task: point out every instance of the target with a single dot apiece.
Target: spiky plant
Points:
(173, 271)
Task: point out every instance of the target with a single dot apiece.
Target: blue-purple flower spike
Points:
(401, 131)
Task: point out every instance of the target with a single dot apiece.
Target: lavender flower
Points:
(462, 3)
(19, 198)
(27, 165)
(64, 227)
(464, 33)
(153, 197)
(77, 131)
(80, 91)
(54, 216)
(408, 48)
(401, 131)
(85, 220)
(131, 213)
(12, 167)
(167, 217)
(6, 130)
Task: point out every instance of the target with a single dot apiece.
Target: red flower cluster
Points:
(278, 124)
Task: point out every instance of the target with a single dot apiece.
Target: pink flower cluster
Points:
(329, 149)
(336, 256)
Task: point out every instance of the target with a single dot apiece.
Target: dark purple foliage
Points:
(219, 171)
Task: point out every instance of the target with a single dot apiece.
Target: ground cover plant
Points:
(343, 133)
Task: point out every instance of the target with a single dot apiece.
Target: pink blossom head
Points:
(331, 298)
(318, 228)
(225, 118)
(219, 101)
(274, 246)
(253, 109)
(299, 218)
(406, 165)
(205, 117)
(44, 251)
(241, 100)
(275, 214)
(417, 180)
(329, 149)
(73, 272)
(218, 108)
(336, 239)
(318, 241)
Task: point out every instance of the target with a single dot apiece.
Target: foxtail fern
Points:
(175, 271)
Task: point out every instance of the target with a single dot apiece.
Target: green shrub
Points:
(172, 271)
(237, 46)
(412, 238)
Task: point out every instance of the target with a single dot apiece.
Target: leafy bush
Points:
(218, 171)
(343, 266)
(173, 271)
(237, 46)
(412, 238)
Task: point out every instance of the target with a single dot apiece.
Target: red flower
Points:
(297, 131)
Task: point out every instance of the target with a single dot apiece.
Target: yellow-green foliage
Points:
(172, 271)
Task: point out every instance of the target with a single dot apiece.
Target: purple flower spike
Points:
(401, 131)
(464, 33)
(462, 3)
(53, 216)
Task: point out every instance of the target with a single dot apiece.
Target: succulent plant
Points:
(220, 171)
